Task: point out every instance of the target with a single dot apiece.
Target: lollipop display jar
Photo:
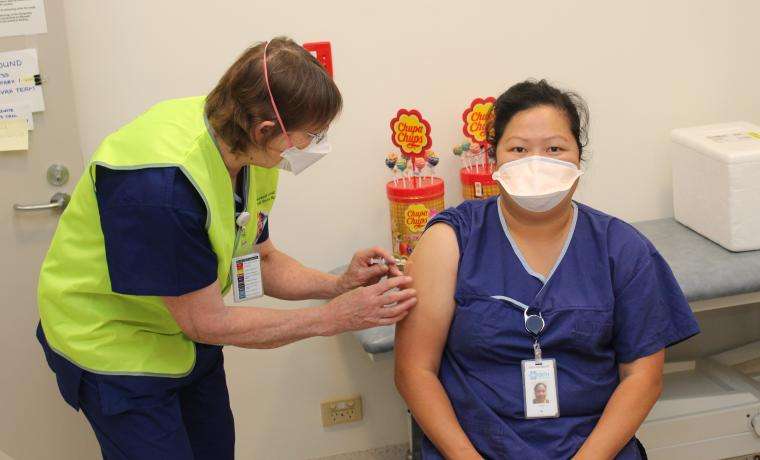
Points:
(477, 155)
(412, 204)
(477, 184)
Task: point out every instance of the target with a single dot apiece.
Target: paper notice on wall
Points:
(20, 81)
(14, 135)
(15, 111)
(22, 17)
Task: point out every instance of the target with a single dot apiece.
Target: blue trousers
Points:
(193, 421)
(145, 418)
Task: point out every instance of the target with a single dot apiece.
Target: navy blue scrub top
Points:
(153, 222)
(610, 299)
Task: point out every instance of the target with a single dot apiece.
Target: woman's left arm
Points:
(640, 387)
(286, 278)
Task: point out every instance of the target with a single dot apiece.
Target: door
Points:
(35, 423)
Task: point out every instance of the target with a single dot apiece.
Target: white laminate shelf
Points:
(706, 407)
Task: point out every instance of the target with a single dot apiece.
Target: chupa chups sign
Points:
(411, 133)
(477, 116)
(416, 217)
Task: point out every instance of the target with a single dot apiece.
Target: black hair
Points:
(530, 93)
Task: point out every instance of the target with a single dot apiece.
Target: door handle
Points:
(58, 201)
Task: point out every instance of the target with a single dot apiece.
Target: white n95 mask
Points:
(296, 160)
(537, 183)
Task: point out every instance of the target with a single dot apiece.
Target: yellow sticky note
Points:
(14, 135)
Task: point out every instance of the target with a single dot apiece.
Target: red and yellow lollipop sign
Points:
(410, 132)
(477, 117)
(416, 217)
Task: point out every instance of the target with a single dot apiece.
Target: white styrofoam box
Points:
(716, 183)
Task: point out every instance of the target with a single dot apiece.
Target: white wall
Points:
(644, 67)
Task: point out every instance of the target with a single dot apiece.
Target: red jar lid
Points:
(409, 193)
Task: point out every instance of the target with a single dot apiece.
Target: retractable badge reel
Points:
(534, 324)
(241, 221)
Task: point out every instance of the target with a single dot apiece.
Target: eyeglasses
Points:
(534, 324)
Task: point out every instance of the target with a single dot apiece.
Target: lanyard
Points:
(534, 324)
(241, 218)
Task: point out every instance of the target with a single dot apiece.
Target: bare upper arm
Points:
(265, 249)
(421, 336)
(650, 366)
(198, 313)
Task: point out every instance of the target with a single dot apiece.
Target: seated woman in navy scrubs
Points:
(532, 290)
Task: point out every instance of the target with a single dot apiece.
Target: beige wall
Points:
(644, 67)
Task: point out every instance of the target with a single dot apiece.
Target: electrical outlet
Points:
(339, 411)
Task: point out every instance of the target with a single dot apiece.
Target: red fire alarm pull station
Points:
(323, 53)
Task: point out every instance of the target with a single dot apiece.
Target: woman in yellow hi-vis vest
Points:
(171, 215)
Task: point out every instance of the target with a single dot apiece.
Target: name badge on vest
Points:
(246, 268)
(246, 277)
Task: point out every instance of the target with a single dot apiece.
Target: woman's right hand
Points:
(371, 306)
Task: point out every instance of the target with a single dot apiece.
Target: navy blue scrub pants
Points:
(145, 417)
(189, 418)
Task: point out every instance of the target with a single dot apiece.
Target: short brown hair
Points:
(305, 94)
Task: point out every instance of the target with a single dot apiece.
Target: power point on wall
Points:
(338, 411)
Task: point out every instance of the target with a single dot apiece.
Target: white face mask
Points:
(537, 183)
(296, 160)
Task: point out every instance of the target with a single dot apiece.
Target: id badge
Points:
(540, 388)
(246, 277)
